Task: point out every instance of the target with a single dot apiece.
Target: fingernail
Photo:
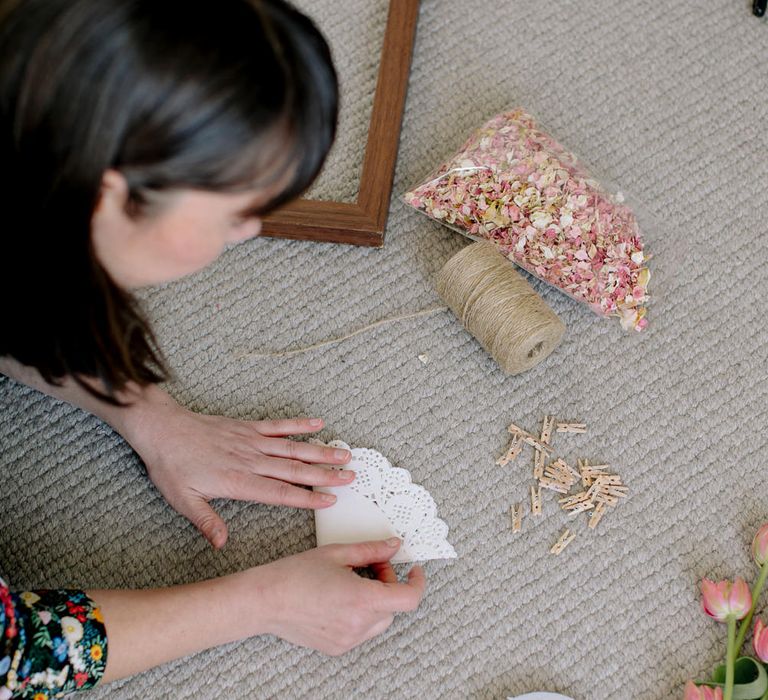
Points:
(316, 422)
(341, 454)
(328, 498)
(347, 474)
(393, 542)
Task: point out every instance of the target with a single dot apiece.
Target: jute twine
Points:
(498, 306)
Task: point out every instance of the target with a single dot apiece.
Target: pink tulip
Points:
(724, 599)
(702, 692)
(760, 545)
(760, 641)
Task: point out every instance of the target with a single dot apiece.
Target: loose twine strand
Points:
(342, 338)
(493, 302)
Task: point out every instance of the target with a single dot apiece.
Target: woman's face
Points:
(188, 232)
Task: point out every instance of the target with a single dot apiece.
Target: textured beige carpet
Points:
(666, 97)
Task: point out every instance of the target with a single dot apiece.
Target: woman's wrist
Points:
(140, 413)
(255, 611)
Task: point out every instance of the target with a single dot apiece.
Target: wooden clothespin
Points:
(536, 500)
(565, 539)
(516, 513)
(546, 429)
(596, 516)
(528, 438)
(514, 449)
(571, 428)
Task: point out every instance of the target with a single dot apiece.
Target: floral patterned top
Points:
(51, 643)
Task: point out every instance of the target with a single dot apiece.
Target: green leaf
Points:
(751, 679)
(765, 697)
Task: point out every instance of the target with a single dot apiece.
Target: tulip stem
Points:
(756, 591)
(730, 658)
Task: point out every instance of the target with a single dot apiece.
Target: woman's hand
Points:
(192, 458)
(315, 599)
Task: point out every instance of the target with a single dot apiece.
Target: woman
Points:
(137, 139)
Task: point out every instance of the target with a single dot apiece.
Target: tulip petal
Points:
(760, 641)
(760, 545)
(702, 692)
(740, 599)
(714, 599)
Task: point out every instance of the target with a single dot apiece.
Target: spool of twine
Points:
(498, 306)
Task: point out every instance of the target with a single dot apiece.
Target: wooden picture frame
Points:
(363, 222)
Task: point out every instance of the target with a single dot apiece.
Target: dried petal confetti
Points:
(514, 185)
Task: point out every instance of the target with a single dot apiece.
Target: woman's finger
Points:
(303, 451)
(247, 487)
(363, 554)
(288, 426)
(300, 473)
(400, 597)
(384, 572)
(205, 519)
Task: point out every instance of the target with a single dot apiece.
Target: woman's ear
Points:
(111, 228)
(113, 194)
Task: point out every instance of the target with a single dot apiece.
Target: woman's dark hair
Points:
(219, 95)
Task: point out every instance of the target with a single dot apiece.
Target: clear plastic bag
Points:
(514, 185)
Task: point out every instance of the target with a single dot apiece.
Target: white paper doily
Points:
(383, 502)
